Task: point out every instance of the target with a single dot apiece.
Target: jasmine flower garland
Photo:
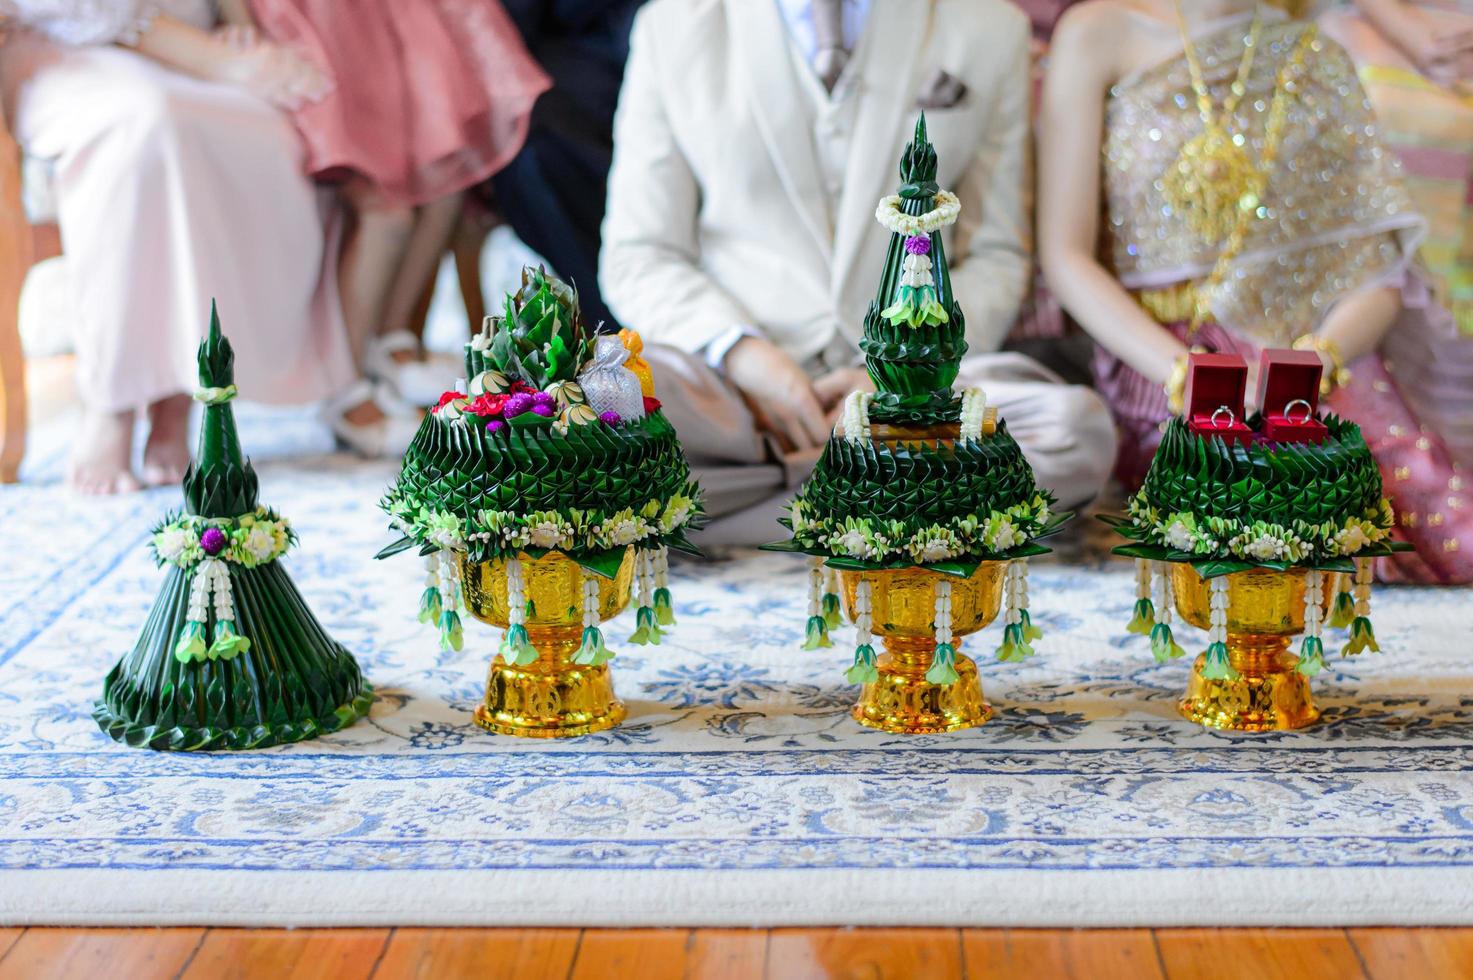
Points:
(248, 540)
(879, 540)
(1260, 541)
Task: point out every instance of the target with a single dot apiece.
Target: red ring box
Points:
(1283, 377)
(1214, 382)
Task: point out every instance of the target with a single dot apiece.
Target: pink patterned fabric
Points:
(1421, 470)
(431, 96)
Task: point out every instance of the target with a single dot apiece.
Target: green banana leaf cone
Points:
(291, 681)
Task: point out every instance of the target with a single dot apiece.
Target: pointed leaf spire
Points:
(220, 482)
(914, 331)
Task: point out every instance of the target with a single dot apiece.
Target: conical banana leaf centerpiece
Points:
(922, 502)
(230, 657)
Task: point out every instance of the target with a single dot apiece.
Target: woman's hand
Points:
(272, 72)
(237, 37)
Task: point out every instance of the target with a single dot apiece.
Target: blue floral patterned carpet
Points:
(738, 792)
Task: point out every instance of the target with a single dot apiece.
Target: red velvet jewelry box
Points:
(1291, 378)
(1214, 396)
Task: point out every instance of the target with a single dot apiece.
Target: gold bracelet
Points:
(1338, 376)
(1176, 385)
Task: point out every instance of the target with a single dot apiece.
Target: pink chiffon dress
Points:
(430, 97)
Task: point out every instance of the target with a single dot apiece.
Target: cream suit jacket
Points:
(718, 214)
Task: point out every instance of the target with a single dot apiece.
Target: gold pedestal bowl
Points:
(552, 697)
(903, 611)
(1265, 608)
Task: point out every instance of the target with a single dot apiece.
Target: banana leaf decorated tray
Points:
(918, 475)
(1226, 505)
(556, 443)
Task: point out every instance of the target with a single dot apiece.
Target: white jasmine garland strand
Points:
(1161, 598)
(661, 561)
(1217, 631)
(644, 571)
(1022, 583)
(942, 621)
(516, 596)
(888, 214)
(1314, 597)
(1363, 574)
(863, 608)
(855, 417)
(1142, 578)
(815, 588)
(449, 580)
(915, 271)
(1012, 616)
(973, 414)
(590, 600)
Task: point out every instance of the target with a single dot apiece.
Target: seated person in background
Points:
(1144, 158)
(177, 181)
(751, 144)
(552, 194)
(1415, 59)
(429, 97)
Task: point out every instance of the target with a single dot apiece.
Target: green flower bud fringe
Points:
(864, 670)
(1217, 667)
(1163, 644)
(1312, 651)
(1018, 629)
(452, 637)
(664, 613)
(210, 591)
(816, 633)
(592, 651)
(647, 630)
(664, 609)
(1344, 611)
(1362, 637)
(429, 604)
(833, 618)
(1311, 656)
(1144, 615)
(516, 647)
(943, 666)
(228, 642)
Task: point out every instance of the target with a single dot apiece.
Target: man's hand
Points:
(778, 392)
(834, 387)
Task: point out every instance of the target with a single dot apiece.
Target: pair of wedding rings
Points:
(1222, 411)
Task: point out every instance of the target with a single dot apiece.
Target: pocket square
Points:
(942, 91)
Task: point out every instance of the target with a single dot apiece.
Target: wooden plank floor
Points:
(736, 954)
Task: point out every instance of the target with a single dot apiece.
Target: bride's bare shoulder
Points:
(1101, 38)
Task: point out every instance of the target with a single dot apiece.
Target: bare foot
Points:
(365, 413)
(166, 453)
(100, 461)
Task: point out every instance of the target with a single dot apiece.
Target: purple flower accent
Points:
(609, 418)
(212, 541)
(543, 409)
(918, 244)
(495, 425)
(517, 404)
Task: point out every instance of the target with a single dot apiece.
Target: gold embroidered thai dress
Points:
(1333, 219)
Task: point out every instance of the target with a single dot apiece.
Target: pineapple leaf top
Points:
(541, 337)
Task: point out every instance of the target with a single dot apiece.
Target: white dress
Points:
(170, 192)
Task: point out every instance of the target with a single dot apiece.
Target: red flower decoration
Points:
(487, 405)
(651, 404)
(518, 387)
(447, 398)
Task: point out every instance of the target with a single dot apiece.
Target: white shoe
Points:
(387, 438)
(419, 382)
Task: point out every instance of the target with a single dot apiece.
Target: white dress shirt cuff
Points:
(719, 346)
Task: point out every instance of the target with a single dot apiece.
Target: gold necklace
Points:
(1206, 182)
(1286, 84)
